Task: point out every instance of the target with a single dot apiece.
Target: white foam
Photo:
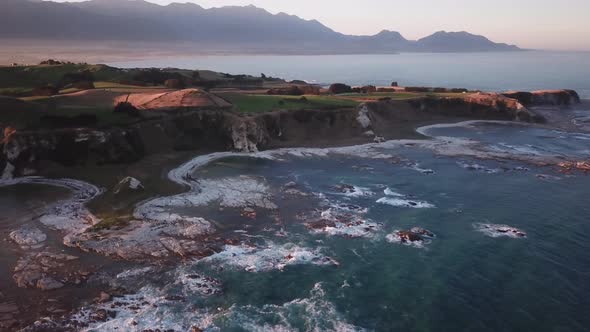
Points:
(401, 202)
(358, 191)
(334, 222)
(269, 257)
(69, 215)
(478, 167)
(314, 313)
(497, 230)
(150, 309)
(390, 192)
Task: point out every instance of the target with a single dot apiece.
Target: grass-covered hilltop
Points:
(69, 90)
(79, 115)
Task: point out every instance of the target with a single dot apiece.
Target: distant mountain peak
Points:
(233, 28)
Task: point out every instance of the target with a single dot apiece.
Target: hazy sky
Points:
(546, 24)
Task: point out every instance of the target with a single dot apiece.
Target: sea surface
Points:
(529, 70)
(505, 246)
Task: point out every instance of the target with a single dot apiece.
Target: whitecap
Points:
(497, 230)
(389, 192)
(314, 313)
(269, 257)
(400, 202)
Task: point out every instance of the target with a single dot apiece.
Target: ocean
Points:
(528, 70)
(432, 235)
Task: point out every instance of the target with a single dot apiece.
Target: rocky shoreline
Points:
(183, 129)
(155, 232)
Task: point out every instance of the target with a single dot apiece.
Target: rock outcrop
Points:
(218, 129)
(48, 271)
(545, 97)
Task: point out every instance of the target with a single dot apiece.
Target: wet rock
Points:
(48, 283)
(104, 297)
(496, 230)
(128, 184)
(344, 188)
(248, 213)
(291, 184)
(148, 240)
(345, 221)
(416, 237)
(28, 237)
(99, 315)
(203, 285)
(570, 166)
(290, 189)
(379, 139)
(422, 232)
(48, 271)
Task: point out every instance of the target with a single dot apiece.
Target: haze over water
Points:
(527, 70)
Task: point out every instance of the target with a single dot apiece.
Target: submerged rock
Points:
(28, 237)
(496, 230)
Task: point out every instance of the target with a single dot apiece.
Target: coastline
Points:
(177, 176)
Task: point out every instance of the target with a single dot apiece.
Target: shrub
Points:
(338, 88)
(417, 89)
(47, 90)
(174, 83)
(289, 91)
(126, 108)
(83, 85)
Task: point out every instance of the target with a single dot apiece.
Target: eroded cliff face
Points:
(23, 151)
(221, 130)
(545, 97)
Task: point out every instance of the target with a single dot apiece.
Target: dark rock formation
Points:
(48, 271)
(218, 129)
(338, 88)
(126, 108)
(545, 97)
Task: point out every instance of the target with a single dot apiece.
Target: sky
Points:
(539, 24)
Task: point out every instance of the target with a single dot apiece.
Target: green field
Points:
(397, 95)
(265, 103)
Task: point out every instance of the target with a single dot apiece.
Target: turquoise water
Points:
(486, 71)
(462, 279)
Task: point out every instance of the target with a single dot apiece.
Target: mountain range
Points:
(231, 28)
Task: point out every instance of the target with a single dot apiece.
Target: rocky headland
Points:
(195, 120)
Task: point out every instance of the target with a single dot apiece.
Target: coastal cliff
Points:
(25, 152)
